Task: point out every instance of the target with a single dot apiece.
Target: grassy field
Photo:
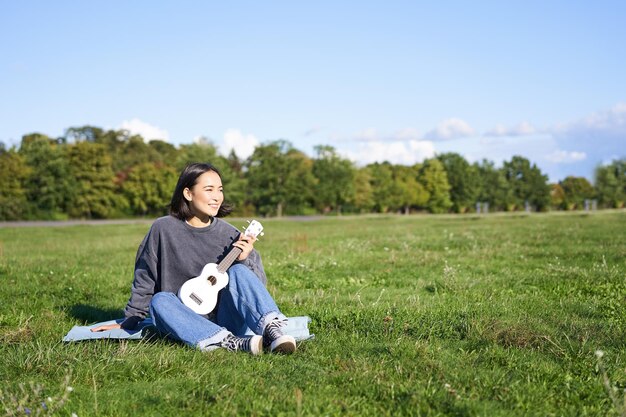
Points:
(499, 315)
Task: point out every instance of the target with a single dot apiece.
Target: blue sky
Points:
(398, 81)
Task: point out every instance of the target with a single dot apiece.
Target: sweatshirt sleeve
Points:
(144, 283)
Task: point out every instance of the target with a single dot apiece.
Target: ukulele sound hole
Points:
(212, 280)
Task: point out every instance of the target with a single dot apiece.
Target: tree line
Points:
(90, 172)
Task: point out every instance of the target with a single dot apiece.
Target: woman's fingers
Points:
(106, 327)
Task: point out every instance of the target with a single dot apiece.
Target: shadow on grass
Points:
(90, 314)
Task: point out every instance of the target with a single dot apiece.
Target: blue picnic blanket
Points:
(298, 327)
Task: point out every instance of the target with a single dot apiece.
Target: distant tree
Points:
(236, 184)
(557, 196)
(148, 188)
(433, 177)
(95, 195)
(133, 151)
(50, 187)
(204, 151)
(493, 187)
(335, 179)
(407, 191)
(610, 182)
(165, 152)
(575, 191)
(527, 183)
(280, 179)
(84, 134)
(381, 180)
(13, 175)
(363, 193)
(463, 180)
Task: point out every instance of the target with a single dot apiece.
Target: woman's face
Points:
(206, 196)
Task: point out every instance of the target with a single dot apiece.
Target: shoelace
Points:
(233, 343)
(273, 331)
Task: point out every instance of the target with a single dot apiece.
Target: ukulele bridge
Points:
(195, 298)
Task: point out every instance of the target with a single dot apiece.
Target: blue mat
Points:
(298, 327)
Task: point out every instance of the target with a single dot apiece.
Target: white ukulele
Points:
(200, 293)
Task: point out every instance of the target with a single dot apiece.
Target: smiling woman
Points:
(199, 195)
(177, 248)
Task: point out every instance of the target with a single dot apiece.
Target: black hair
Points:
(179, 206)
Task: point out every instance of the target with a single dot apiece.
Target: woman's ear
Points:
(187, 194)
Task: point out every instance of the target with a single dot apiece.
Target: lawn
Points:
(496, 315)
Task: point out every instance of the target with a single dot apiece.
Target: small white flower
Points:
(599, 353)
(70, 389)
(74, 415)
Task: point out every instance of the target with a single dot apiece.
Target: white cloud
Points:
(612, 122)
(522, 129)
(372, 135)
(146, 130)
(565, 157)
(396, 152)
(365, 135)
(450, 129)
(242, 144)
(407, 134)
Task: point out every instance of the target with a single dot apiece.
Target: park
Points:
(494, 314)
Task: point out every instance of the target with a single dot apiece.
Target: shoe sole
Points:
(256, 345)
(285, 344)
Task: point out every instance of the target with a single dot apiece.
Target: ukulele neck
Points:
(228, 260)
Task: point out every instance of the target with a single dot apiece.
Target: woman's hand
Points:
(246, 244)
(106, 327)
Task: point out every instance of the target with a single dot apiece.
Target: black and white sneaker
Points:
(252, 344)
(276, 340)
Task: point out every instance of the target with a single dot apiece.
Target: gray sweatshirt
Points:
(173, 252)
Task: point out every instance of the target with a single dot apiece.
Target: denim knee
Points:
(240, 270)
(160, 300)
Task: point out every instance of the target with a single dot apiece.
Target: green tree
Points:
(163, 151)
(133, 151)
(463, 180)
(50, 186)
(493, 188)
(85, 133)
(557, 196)
(335, 179)
(610, 182)
(95, 195)
(407, 191)
(280, 179)
(527, 183)
(363, 193)
(433, 177)
(202, 151)
(148, 188)
(381, 179)
(575, 191)
(13, 174)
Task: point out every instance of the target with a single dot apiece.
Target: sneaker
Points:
(276, 340)
(252, 344)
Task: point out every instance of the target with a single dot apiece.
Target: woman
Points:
(176, 249)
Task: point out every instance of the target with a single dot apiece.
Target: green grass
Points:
(420, 315)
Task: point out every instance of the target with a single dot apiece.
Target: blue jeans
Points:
(244, 307)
